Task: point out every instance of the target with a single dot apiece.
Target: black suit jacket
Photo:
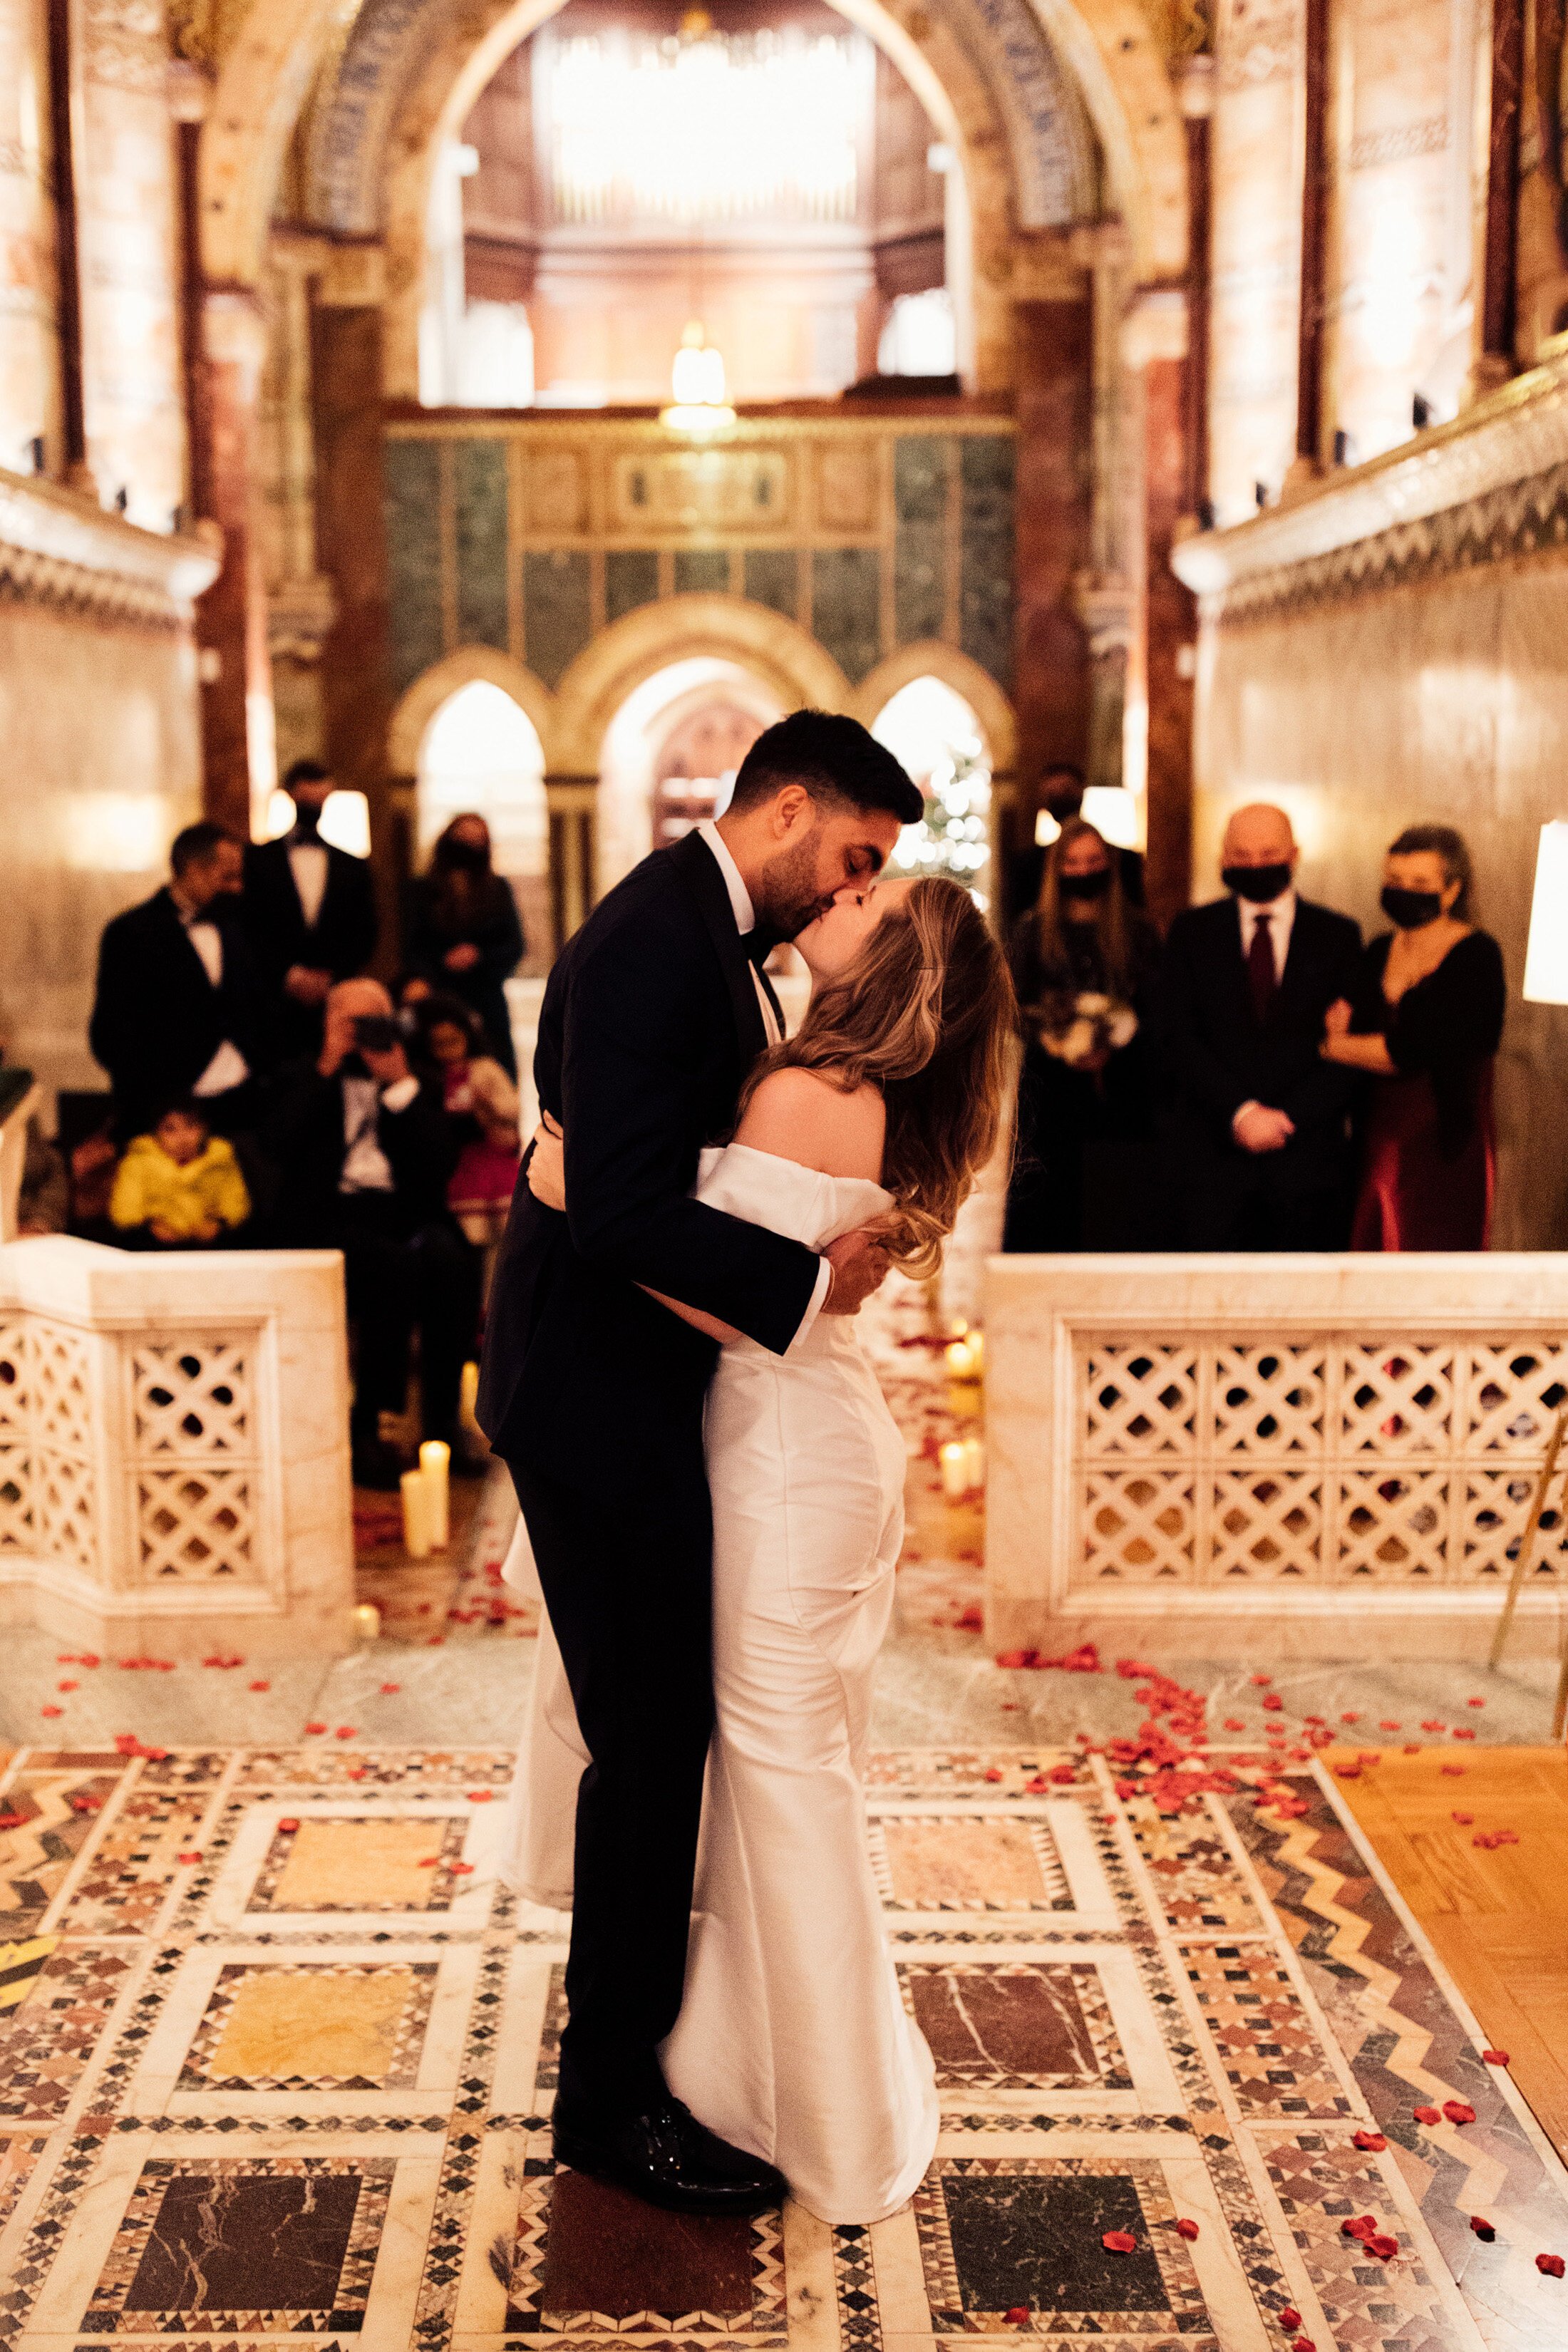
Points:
(157, 1020)
(341, 940)
(650, 1024)
(1217, 1055)
(305, 1141)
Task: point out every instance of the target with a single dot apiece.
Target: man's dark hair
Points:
(196, 843)
(306, 772)
(835, 759)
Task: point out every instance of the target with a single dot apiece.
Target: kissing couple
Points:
(710, 1480)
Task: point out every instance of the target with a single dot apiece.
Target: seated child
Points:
(482, 1099)
(181, 1185)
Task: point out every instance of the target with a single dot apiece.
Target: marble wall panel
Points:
(770, 576)
(1253, 302)
(920, 501)
(845, 595)
(27, 393)
(414, 557)
(100, 773)
(479, 470)
(557, 610)
(1446, 701)
(631, 578)
(985, 592)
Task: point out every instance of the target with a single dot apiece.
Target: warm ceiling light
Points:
(697, 383)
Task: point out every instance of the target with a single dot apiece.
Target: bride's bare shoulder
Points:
(800, 1116)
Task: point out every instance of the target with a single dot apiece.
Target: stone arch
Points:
(418, 704)
(930, 658)
(778, 651)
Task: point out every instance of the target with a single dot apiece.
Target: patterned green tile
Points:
(631, 578)
(773, 578)
(557, 612)
(986, 594)
(845, 606)
(479, 487)
(920, 463)
(413, 493)
(702, 572)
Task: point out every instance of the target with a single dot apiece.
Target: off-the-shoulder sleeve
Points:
(798, 1202)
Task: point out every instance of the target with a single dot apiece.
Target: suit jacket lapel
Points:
(699, 869)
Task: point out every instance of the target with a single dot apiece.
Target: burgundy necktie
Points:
(1260, 975)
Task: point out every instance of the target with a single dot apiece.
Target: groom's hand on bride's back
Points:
(547, 1165)
(859, 1262)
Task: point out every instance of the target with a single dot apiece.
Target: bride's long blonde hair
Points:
(924, 1014)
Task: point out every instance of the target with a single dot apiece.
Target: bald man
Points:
(1260, 1122)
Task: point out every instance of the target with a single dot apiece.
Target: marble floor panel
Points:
(278, 2054)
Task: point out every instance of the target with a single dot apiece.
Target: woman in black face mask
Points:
(463, 935)
(1083, 960)
(1424, 1023)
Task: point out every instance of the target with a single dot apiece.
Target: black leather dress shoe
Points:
(667, 2158)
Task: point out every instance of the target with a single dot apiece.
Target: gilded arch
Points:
(931, 657)
(418, 704)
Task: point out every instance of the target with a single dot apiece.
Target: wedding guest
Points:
(179, 1009)
(483, 1102)
(1260, 1122)
(180, 1187)
(309, 911)
(1424, 1018)
(463, 934)
(366, 1152)
(1084, 963)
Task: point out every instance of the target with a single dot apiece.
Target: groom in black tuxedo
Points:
(592, 1393)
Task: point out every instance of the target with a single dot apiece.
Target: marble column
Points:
(573, 853)
(355, 674)
(1194, 87)
(1496, 359)
(128, 212)
(29, 391)
(301, 602)
(1055, 536)
(231, 618)
(1255, 253)
(1155, 346)
(60, 70)
(1311, 302)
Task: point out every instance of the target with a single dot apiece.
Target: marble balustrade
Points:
(174, 1449)
(1263, 1457)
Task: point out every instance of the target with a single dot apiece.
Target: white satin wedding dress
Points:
(793, 2041)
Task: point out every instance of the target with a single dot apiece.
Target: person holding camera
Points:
(367, 1151)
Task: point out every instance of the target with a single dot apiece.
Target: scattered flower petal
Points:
(1495, 2057)
(290, 1826)
(1455, 1771)
(314, 1730)
(1427, 2114)
(1289, 2316)
(1122, 2241)
(1274, 1702)
(1360, 2225)
(1549, 2265)
(261, 1686)
(51, 1710)
(992, 1773)
(1016, 2318)
(462, 1870)
(195, 1855)
(1389, 1725)
(65, 1686)
(388, 1689)
(1350, 1715)
(1483, 2229)
(1475, 1702)
(346, 1731)
(1432, 1724)
(1189, 2229)
(1373, 2140)
(1458, 2112)
(1383, 2247)
(1464, 1819)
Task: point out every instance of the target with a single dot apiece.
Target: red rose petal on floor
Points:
(1118, 2242)
(1483, 2229)
(462, 1870)
(1369, 1756)
(346, 1731)
(288, 1827)
(1303, 2344)
(51, 1710)
(480, 1796)
(1064, 1775)
(1189, 2229)
(1475, 1702)
(1351, 1716)
(1369, 2139)
(155, 1755)
(11, 1821)
(65, 1686)
(315, 1728)
(435, 1641)
(429, 1862)
(1458, 2112)
(1427, 2114)
(1016, 2318)
(259, 1687)
(1234, 1723)
(1262, 1681)
(993, 1774)
(1432, 1724)
(1455, 1771)
(193, 1856)
(1412, 1749)
(1274, 1702)
(1464, 1819)
(1347, 1772)
(1463, 1731)
(1360, 2225)
(1387, 1724)
(1549, 2265)
(1383, 2247)
(1495, 2057)
(388, 1689)
(127, 1742)
(1289, 2316)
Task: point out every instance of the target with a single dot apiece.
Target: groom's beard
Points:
(788, 895)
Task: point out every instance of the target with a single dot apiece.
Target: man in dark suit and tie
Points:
(179, 1009)
(592, 1392)
(309, 910)
(1260, 1122)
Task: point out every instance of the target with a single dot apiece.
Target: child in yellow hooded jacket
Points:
(182, 1184)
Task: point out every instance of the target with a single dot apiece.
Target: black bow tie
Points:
(758, 946)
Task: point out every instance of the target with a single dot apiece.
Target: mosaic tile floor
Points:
(277, 2055)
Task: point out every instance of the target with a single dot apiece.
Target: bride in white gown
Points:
(793, 2039)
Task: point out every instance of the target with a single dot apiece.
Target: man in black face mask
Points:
(309, 911)
(1259, 1120)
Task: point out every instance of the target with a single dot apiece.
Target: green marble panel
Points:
(845, 607)
(773, 578)
(920, 463)
(557, 610)
(631, 578)
(412, 482)
(985, 590)
(702, 572)
(479, 496)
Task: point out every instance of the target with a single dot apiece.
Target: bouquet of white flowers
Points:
(1092, 1027)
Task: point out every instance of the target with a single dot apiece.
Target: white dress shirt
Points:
(1281, 914)
(745, 916)
(308, 865)
(367, 1168)
(228, 1067)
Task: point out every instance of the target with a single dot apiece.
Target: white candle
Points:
(974, 1463)
(954, 1469)
(434, 1460)
(367, 1621)
(415, 1514)
(469, 1397)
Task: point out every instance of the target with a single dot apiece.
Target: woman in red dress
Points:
(1424, 1025)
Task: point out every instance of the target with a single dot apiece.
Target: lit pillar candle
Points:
(469, 1397)
(954, 1469)
(367, 1621)
(974, 1463)
(435, 1461)
(415, 1514)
